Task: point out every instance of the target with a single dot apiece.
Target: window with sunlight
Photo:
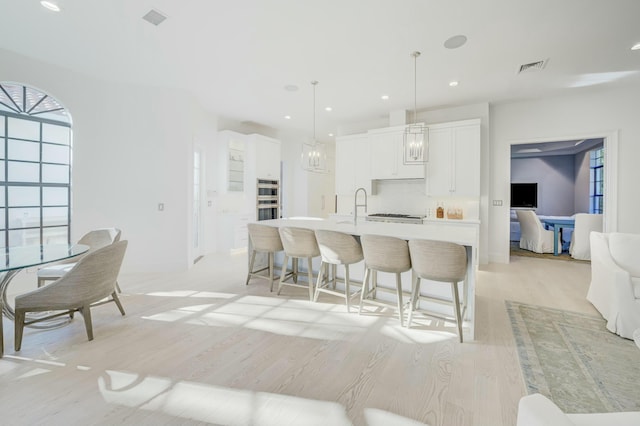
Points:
(596, 180)
(35, 168)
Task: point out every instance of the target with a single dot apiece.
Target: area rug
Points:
(572, 359)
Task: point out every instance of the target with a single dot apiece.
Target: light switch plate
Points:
(497, 203)
(160, 207)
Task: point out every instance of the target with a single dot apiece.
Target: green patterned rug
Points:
(572, 359)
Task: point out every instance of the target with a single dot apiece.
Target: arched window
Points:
(35, 167)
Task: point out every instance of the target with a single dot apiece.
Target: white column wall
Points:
(597, 111)
(133, 147)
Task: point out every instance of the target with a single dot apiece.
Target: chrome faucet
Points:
(356, 205)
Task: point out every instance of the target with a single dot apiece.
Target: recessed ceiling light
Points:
(635, 46)
(50, 5)
(328, 109)
(330, 135)
(384, 97)
(287, 117)
(453, 83)
(455, 42)
(291, 88)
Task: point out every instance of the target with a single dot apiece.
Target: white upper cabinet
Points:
(245, 158)
(232, 154)
(267, 159)
(352, 164)
(387, 155)
(453, 166)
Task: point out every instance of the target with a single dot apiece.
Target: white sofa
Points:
(615, 280)
(538, 410)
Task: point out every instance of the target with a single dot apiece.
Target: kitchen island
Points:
(464, 235)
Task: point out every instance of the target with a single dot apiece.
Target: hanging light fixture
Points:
(314, 157)
(415, 135)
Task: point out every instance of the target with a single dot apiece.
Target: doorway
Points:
(197, 206)
(550, 154)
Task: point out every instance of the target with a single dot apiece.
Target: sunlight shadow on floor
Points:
(216, 404)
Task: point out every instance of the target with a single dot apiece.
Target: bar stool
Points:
(298, 243)
(336, 248)
(264, 239)
(438, 261)
(384, 254)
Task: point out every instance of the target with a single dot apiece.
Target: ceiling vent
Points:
(533, 66)
(154, 17)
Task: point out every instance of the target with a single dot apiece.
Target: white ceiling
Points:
(236, 56)
(543, 149)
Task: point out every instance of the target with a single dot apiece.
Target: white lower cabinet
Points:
(232, 231)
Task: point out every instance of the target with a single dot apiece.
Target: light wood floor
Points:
(200, 347)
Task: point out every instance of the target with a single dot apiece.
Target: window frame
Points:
(6, 184)
(596, 181)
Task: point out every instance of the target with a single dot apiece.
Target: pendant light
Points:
(415, 135)
(314, 158)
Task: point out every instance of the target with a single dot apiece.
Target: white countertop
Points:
(463, 235)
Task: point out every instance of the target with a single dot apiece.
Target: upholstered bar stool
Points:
(336, 248)
(438, 261)
(264, 239)
(383, 254)
(298, 243)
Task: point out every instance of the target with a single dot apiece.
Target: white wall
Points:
(587, 112)
(582, 169)
(132, 149)
(554, 175)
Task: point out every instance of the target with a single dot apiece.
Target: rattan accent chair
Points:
(438, 261)
(92, 279)
(383, 254)
(337, 248)
(95, 239)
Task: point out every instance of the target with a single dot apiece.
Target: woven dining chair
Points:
(91, 280)
(95, 239)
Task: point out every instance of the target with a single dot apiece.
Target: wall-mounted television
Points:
(524, 195)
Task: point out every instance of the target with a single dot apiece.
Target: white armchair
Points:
(580, 247)
(533, 236)
(615, 280)
(538, 410)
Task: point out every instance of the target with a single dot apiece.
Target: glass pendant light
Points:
(314, 157)
(415, 135)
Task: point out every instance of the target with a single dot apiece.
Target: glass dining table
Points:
(21, 257)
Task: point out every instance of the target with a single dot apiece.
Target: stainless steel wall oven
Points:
(268, 199)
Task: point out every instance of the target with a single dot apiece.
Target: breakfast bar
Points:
(463, 234)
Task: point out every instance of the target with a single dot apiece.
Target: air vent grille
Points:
(154, 17)
(533, 66)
